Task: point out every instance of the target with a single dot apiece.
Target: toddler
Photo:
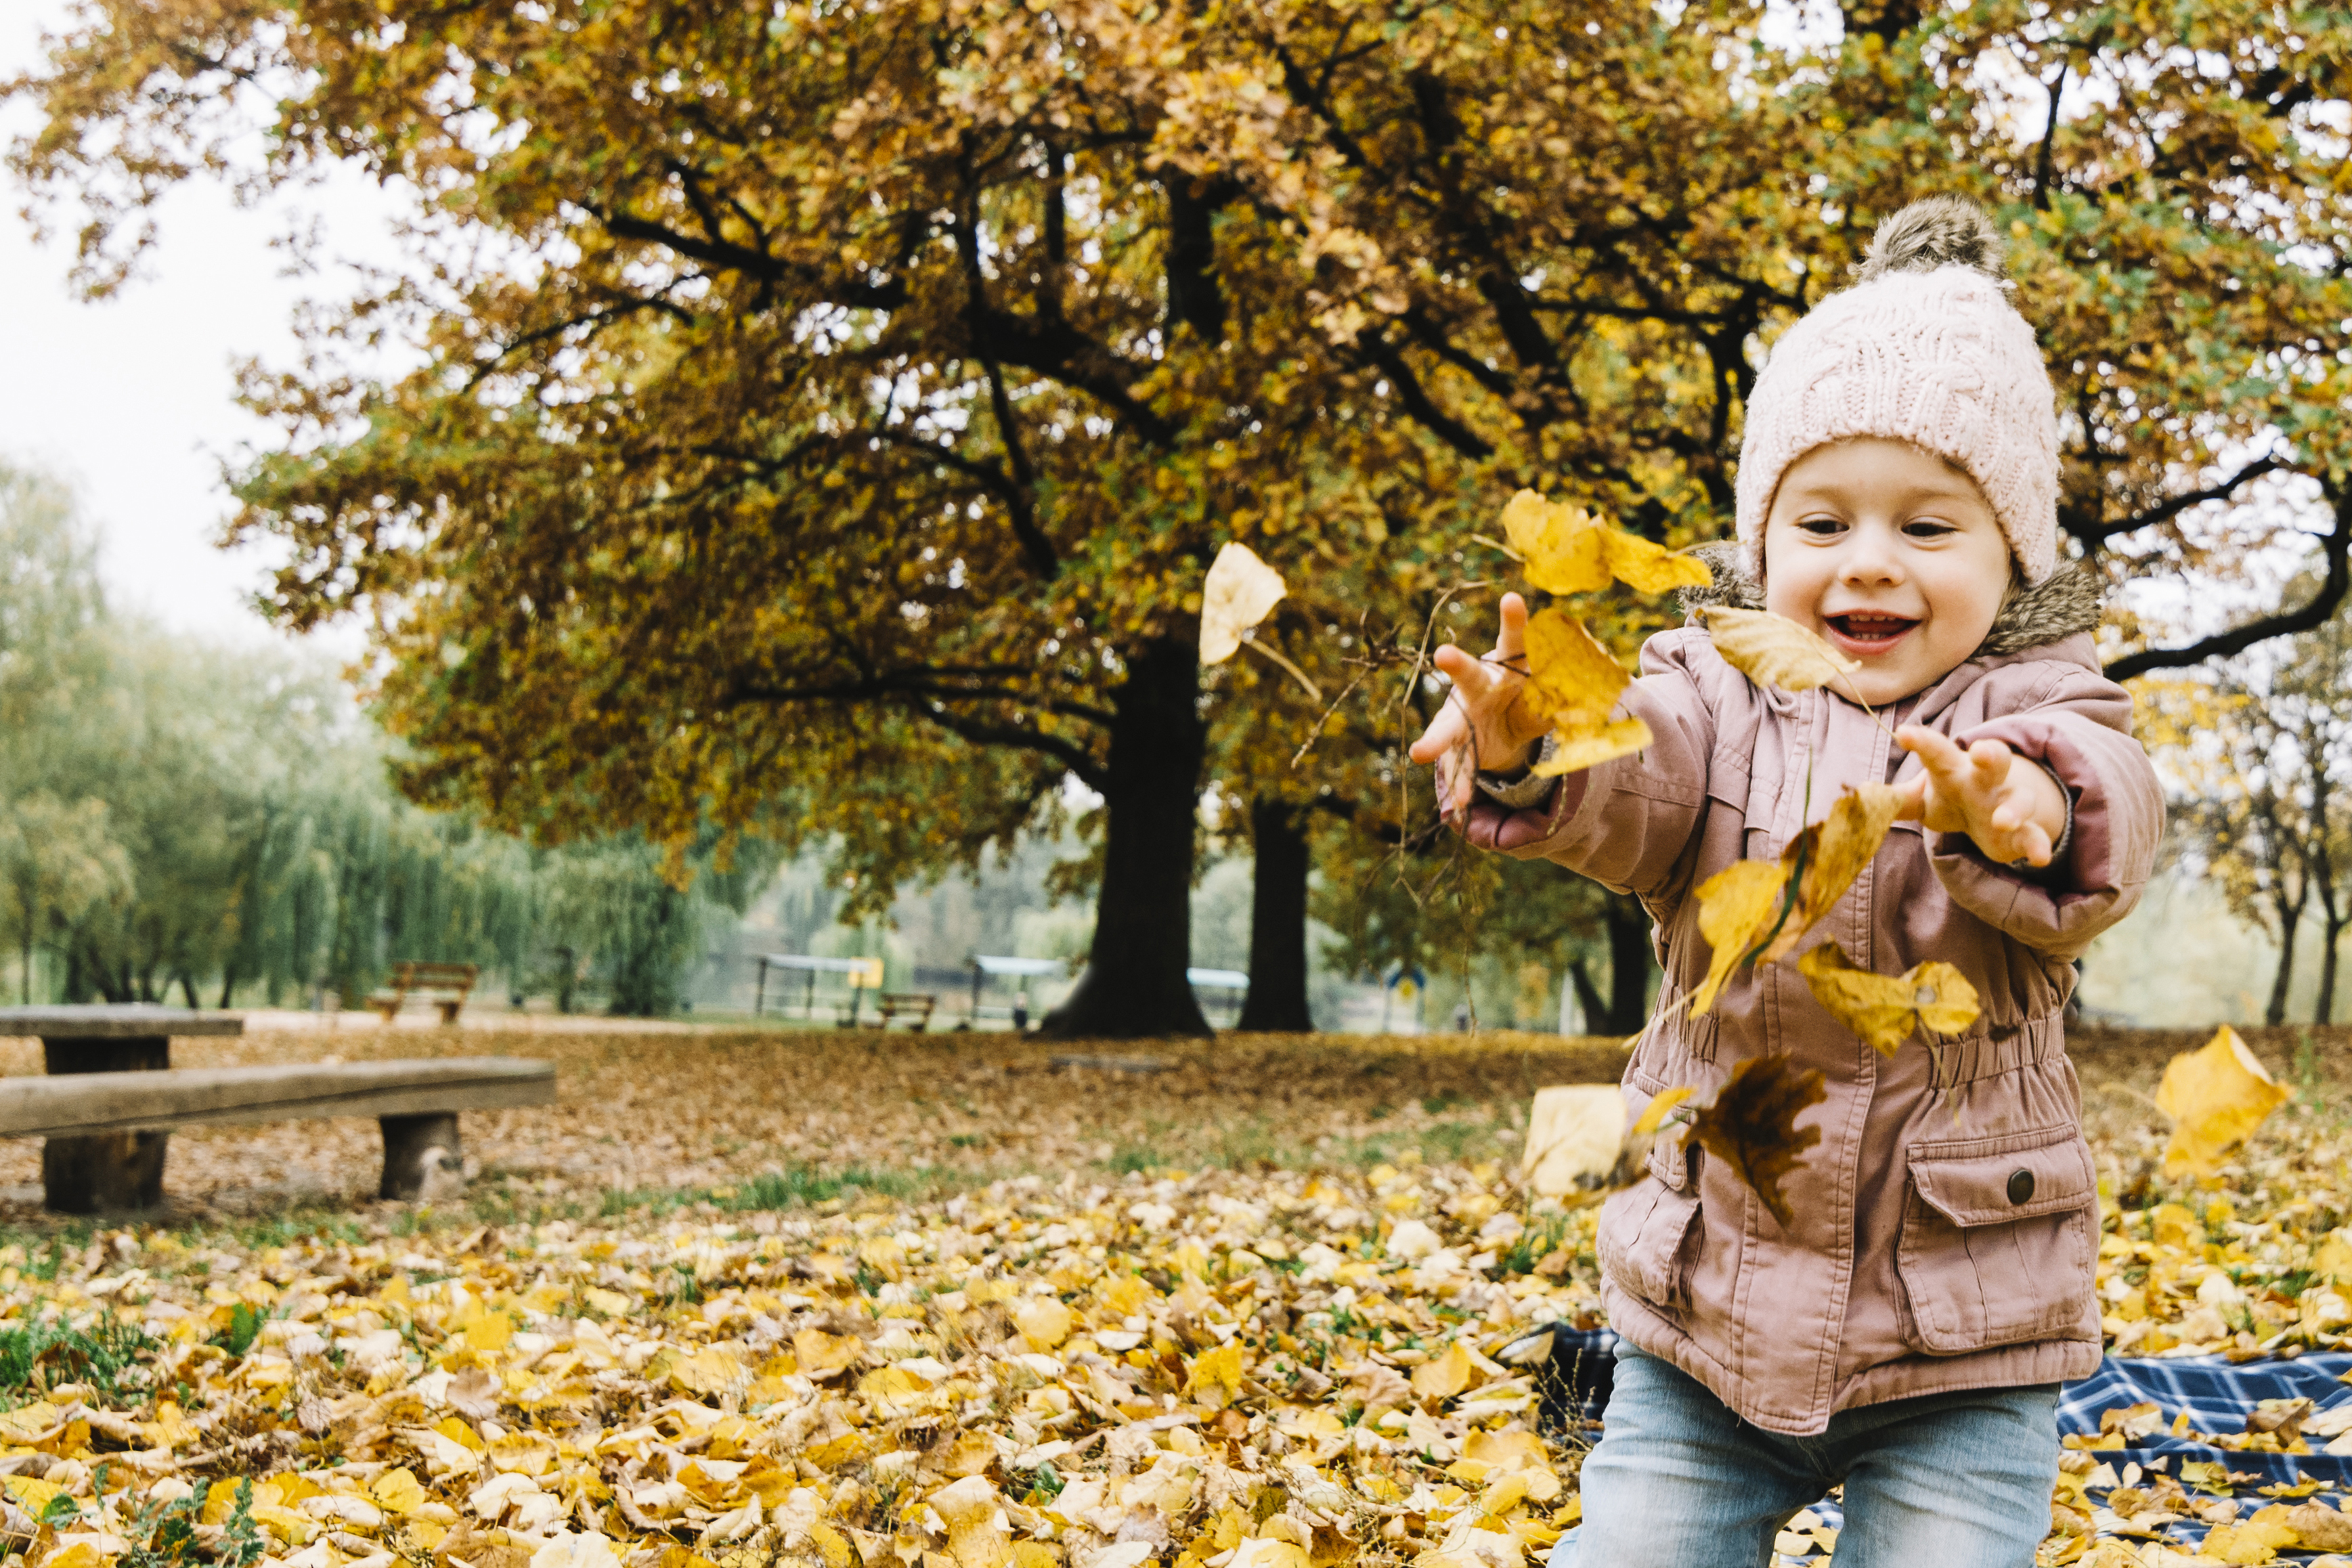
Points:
(1906, 1334)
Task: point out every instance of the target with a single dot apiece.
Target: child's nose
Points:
(1871, 558)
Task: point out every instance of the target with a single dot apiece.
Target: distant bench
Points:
(447, 985)
(416, 1103)
(915, 1007)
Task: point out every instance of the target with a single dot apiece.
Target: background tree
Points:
(2259, 753)
(797, 373)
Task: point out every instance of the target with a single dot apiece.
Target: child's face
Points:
(1892, 555)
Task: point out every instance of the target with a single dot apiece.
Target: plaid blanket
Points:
(2216, 1395)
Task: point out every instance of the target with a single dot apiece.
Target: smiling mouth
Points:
(1860, 632)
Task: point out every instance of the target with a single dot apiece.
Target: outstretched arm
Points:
(1484, 724)
(2013, 809)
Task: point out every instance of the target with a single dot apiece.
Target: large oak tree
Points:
(821, 395)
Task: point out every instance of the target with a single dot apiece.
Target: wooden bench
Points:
(417, 1102)
(915, 1005)
(455, 978)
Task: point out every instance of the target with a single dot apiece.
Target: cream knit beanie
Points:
(1923, 348)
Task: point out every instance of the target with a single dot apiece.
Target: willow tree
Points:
(802, 373)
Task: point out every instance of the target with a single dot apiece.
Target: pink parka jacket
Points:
(1945, 1226)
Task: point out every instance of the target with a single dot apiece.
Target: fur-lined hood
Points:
(2034, 616)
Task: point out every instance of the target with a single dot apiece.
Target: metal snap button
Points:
(2021, 1186)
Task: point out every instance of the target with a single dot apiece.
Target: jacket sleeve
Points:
(2082, 730)
(1626, 822)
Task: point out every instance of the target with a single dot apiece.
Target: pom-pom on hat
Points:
(1925, 348)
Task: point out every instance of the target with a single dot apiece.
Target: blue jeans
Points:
(1955, 1480)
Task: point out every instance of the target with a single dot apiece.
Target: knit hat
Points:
(1925, 348)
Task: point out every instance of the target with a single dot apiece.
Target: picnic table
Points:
(110, 1170)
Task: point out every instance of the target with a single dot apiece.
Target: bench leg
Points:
(415, 1147)
(103, 1172)
(450, 1011)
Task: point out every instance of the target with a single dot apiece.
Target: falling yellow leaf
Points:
(1773, 650)
(1829, 856)
(1654, 1115)
(1884, 1009)
(1648, 567)
(1736, 907)
(1751, 1124)
(1572, 680)
(1567, 550)
(1560, 545)
(1575, 753)
(2216, 1097)
(1574, 1131)
(1239, 592)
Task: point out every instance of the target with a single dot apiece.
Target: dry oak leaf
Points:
(1773, 650)
(1764, 908)
(1751, 1124)
(1446, 1375)
(1574, 681)
(1832, 853)
(2216, 1096)
(1884, 1009)
(1241, 591)
(1737, 909)
(822, 1355)
(1566, 550)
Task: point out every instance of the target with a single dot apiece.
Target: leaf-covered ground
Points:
(754, 1298)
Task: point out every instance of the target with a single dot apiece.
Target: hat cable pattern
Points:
(1925, 348)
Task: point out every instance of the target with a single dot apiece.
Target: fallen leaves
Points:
(1772, 651)
(1883, 1011)
(2216, 1097)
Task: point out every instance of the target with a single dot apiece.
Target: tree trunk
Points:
(2290, 917)
(1588, 996)
(1630, 960)
(1134, 983)
(2331, 929)
(1277, 958)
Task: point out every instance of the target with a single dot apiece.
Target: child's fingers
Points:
(1471, 675)
(1511, 645)
(1911, 798)
(1445, 731)
(1991, 761)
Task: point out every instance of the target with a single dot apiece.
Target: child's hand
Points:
(1483, 725)
(2012, 810)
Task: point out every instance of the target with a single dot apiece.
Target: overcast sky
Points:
(132, 398)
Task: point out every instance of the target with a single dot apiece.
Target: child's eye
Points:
(1820, 527)
(1928, 528)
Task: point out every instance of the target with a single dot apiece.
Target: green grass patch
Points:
(37, 1356)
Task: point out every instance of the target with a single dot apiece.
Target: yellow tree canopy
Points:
(794, 363)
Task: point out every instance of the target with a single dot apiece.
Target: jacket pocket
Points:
(1999, 1241)
(1650, 1235)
